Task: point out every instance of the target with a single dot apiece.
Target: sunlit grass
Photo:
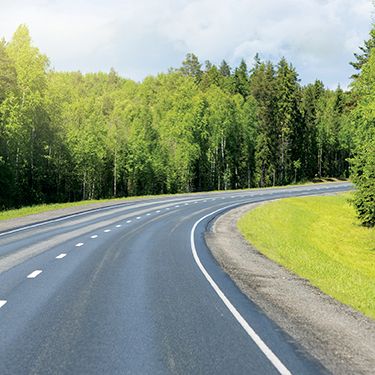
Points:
(320, 239)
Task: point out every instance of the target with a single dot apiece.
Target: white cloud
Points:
(140, 37)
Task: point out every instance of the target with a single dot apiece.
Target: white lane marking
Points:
(195, 202)
(94, 236)
(148, 214)
(34, 274)
(62, 255)
(138, 217)
(129, 221)
(2, 303)
(233, 196)
(223, 198)
(157, 211)
(250, 331)
(167, 209)
(186, 204)
(347, 186)
(106, 230)
(177, 206)
(79, 244)
(204, 201)
(118, 225)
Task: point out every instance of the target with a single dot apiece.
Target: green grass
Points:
(321, 240)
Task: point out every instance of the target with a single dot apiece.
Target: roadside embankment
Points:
(341, 338)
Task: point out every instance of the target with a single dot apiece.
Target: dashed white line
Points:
(186, 204)
(129, 221)
(148, 214)
(79, 244)
(62, 255)
(158, 211)
(34, 274)
(167, 209)
(118, 225)
(177, 206)
(106, 230)
(138, 217)
(94, 236)
(2, 303)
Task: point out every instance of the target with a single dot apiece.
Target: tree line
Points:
(67, 136)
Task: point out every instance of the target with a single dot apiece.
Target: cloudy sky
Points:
(143, 37)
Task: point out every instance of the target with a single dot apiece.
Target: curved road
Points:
(133, 289)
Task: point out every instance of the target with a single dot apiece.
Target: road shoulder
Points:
(342, 339)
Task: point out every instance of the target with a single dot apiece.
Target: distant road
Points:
(133, 289)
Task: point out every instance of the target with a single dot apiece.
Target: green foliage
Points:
(363, 161)
(70, 136)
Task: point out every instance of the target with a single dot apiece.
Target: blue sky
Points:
(144, 37)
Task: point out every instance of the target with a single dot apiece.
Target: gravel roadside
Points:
(342, 339)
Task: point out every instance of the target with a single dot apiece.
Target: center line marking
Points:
(34, 274)
(62, 255)
(107, 230)
(94, 236)
(118, 226)
(79, 244)
(2, 303)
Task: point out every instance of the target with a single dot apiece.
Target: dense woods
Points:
(66, 136)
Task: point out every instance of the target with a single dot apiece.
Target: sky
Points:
(145, 37)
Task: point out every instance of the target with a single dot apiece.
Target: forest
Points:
(68, 136)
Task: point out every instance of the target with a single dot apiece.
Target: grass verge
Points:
(321, 240)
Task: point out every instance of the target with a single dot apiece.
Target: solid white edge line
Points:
(62, 255)
(2, 303)
(34, 274)
(254, 336)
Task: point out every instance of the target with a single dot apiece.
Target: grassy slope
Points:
(318, 238)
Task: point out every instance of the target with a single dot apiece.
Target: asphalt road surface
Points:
(133, 289)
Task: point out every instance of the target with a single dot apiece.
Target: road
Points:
(133, 289)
